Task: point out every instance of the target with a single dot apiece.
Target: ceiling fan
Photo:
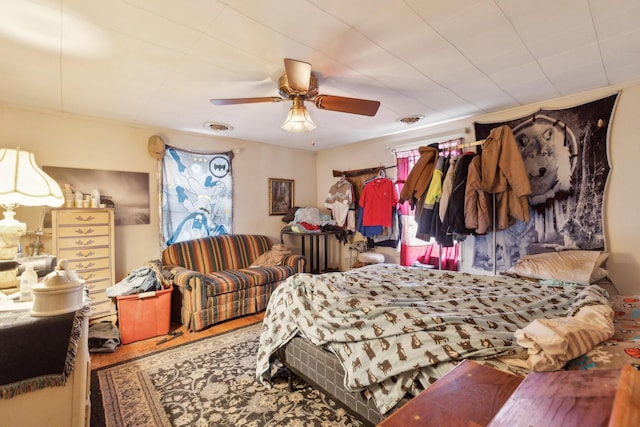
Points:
(299, 84)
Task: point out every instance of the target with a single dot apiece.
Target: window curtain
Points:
(411, 248)
(196, 195)
(414, 250)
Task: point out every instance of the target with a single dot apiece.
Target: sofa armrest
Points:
(184, 277)
(192, 290)
(297, 262)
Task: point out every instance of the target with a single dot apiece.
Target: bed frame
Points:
(323, 371)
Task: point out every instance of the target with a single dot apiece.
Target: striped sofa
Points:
(213, 281)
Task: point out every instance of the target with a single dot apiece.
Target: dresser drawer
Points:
(83, 218)
(83, 242)
(89, 264)
(79, 254)
(97, 275)
(97, 286)
(82, 230)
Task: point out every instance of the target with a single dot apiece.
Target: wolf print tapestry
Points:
(565, 156)
(196, 195)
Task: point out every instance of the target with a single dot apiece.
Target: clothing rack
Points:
(358, 172)
(494, 245)
(462, 146)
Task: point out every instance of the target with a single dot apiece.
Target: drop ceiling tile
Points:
(580, 67)
(483, 93)
(285, 24)
(195, 14)
(116, 15)
(532, 91)
(523, 81)
(615, 21)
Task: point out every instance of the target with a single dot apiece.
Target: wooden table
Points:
(597, 397)
(468, 395)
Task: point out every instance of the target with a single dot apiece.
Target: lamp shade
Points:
(298, 119)
(22, 182)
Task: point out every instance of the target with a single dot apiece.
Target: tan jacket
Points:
(420, 176)
(503, 174)
(477, 203)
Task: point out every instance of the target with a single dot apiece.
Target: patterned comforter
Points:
(396, 328)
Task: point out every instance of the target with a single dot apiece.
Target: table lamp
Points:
(22, 182)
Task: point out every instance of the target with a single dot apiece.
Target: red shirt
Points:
(377, 201)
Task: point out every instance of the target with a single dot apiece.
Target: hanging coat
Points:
(454, 219)
(504, 174)
(478, 204)
(420, 176)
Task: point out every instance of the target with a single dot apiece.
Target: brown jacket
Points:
(503, 174)
(477, 203)
(420, 176)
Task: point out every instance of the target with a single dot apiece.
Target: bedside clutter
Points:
(215, 279)
(144, 302)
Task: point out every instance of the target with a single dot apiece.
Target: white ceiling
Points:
(158, 62)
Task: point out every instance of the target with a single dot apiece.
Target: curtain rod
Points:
(358, 172)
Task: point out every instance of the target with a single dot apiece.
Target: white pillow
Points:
(581, 267)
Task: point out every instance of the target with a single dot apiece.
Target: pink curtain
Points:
(448, 256)
(412, 250)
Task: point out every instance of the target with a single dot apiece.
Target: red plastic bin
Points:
(144, 315)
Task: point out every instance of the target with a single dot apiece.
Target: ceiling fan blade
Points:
(298, 74)
(363, 107)
(232, 101)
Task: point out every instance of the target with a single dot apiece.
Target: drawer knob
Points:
(85, 255)
(81, 218)
(87, 231)
(89, 265)
(83, 243)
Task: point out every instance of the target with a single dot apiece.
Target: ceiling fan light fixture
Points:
(298, 118)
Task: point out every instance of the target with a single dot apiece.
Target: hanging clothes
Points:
(340, 201)
(447, 187)
(420, 176)
(478, 204)
(378, 199)
(425, 216)
(504, 174)
(453, 222)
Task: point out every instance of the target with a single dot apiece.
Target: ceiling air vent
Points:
(218, 127)
(410, 120)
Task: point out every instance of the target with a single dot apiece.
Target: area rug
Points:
(209, 382)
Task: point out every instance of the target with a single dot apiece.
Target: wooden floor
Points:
(140, 348)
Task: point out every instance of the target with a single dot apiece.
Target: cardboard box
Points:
(144, 315)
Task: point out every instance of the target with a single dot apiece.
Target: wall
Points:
(621, 205)
(73, 141)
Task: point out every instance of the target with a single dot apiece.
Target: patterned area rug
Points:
(206, 383)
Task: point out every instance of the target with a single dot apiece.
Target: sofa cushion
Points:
(221, 282)
(217, 253)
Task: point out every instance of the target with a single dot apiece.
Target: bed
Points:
(374, 337)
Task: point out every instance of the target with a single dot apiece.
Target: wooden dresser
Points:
(85, 237)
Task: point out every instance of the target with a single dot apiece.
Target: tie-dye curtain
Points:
(196, 195)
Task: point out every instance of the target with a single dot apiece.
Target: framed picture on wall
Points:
(280, 196)
(128, 192)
